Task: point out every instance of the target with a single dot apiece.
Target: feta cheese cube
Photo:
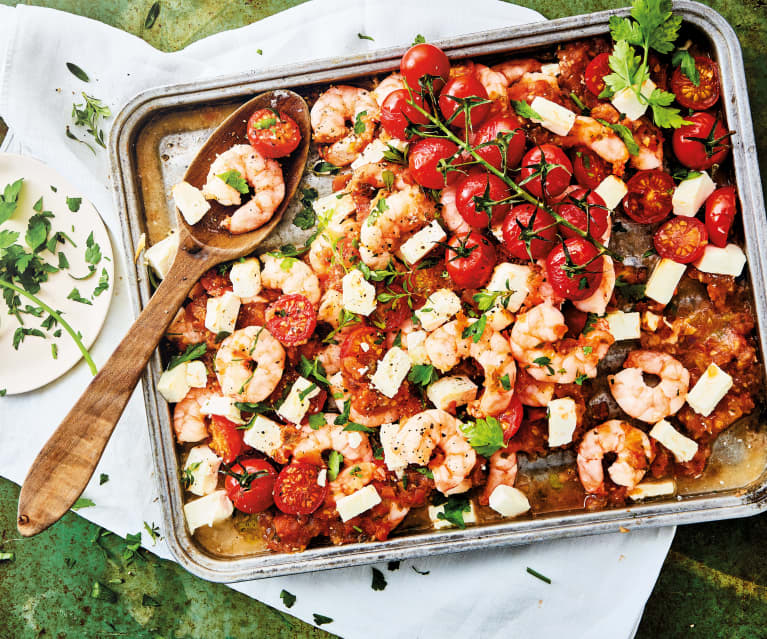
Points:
(440, 307)
(264, 435)
(451, 391)
(626, 101)
(391, 371)
(508, 501)
(420, 244)
(246, 278)
(612, 190)
(173, 384)
(222, 406)
(322, 477)
(551, 69)
(209, 510)
(393, 457)
(221, 313)
(562, 421)
(651, 320)
(554, 117)
(350, 506)
(684, 448)
(497, 231)
(294, 408)
(374, 152)
(415, 344)
(359, 295)
(663, 280)
(334, 208)
(623, 325)
(202, 464)
(159, 257)
(709, 390)
(196, 374)
(729, 260)
(691, 193)
(469, 517)
(513, 279)
(648, 489)
(190, 202)
(338, 390)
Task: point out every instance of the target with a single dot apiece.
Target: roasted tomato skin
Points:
(721, 207)
(681, 239)
(296, 491)
(649, 196)
(588, 168)
(470, 259)
(585, 210)
(425, 59)
(490, 130)
(511, 418)
(476, 184)
(225, 439)
(544, 227)
(710, 145)
(595, 73)
(463, 86)
(397, 113)
(361, 349)
(700, 97)
(581, 284)
(291, 319)
(423, 160)
(273, 134)
(257, 496)
(556, 179)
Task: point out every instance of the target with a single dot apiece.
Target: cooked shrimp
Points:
(513, 70)
(389, 84)
(263, 174)
(503, 471)
(650, 141)
(534, 339)
(353, 445)
(630, 444)
(495, 83)
(599, 138)
(329, 117)
(356, 475)
(188, 422)
(249, 364)
(450, 215)
(371, 419)
(416, 439)
(322, 253)
(532, 392)
(330, 358)
(183, 332)
(650, 404)
(597, 302)
(331, 307)
(295, 277)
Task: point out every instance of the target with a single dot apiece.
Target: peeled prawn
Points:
(295, 277)
(188, 422)
(599, 138)
(353, 445)
(388, 85)
(597, 302)
(249, 364)
(450, 214)
(503, 471)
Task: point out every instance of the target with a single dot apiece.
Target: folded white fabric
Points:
(481, 594)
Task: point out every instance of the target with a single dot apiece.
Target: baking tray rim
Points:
(736, 503)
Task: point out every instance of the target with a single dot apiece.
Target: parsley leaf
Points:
(523, 109)
(20, 333)
(455, 506)
(103, 479)
(684, 59)
(235, 180)
(353, 426)
(78, 72)
(317, 421)
(379, 581)
(92, 250)
(73, 203)
(83, 502)
(192, 352)
(334, 464)
(74, 294)
(419, 39)
(288, 598)
(625, 134)
(321, 620)
(88, 115)
(325, 168)
(505, 382)
(362, 36)
(422, 374)
(485, 435)
(475, 330)
(103, 284)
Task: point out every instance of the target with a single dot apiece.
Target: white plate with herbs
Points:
(56, 275)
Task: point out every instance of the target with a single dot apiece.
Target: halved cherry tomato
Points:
(588, 168)
(540, 231)
(361, 349)
(425, 59)
(548, 164)
(470, 259)
(273, 134)
(216, 283)
(424, 158)
(251, 492)
(574, 268)
(681, 239)
(721, 207)
(649, 196)
(492, 129)
(296, 491)
(463, 86)
(397, 113)
(586, 210)
(595, 73)
(291, 319)
(511, 418)
(700, 97)
(225, 440)
(392, 309)
(479, 185)
(703, 143)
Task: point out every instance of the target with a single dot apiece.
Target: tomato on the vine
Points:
(273, 134)
(586, 210)
(425, 59)
(508, 127)
(463, 86)
(296, 491)
(397, 113)
(469, 259)
(681, 239)
(291, 319)
(702, 143)
(545, 170)
(700, 97)
(424, 160)
(721, 207)
(361, 349)
(485, 187)
(595, 73)
(649, 196)
(574, 268)
(528, 225)
(588, 168)
(249, 484)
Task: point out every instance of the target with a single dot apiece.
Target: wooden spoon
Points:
(64, 466)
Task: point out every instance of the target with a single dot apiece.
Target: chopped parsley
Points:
(288, 598)
(379, 581)
(484, 435)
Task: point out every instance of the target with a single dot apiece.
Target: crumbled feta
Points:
(264, 435)
(729, 260)
(246, 278)
(684, 448)
(551, 69)
(159, 257)
(359, 295)
(651, 320)
(190, 202)
(350, 506)
(612, 190)
(415, 344)
(294, 408)
(649, 489)
(202, 464)
(173, 384)
(334, 208)
(562, 421)
(337, 387)
(691, 193)
(391, 371)
(709, 390)
(469, 517)
(420, 244)
(664, 280)
(393, 457)
(208, 510)
(554, 117)
(508, 501)
(449, 392)
(440, 307)
(222, 406)
(221, 313)
(374, 152)
(623, 325)
(626, 101)
(322, 477)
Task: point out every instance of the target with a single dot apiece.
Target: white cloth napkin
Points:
(480, 594)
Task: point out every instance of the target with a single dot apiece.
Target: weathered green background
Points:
(713, 584)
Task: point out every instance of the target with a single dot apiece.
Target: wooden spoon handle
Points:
(64, 466)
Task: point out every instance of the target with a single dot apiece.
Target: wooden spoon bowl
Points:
(65, 464)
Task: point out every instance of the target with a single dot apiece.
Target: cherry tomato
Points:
(464, 86)
(720, 214)
(296, 491)
(397, 113)
(251, 492)
(394, 311)
(511, 418)
(588, 168)
(703, 143)
(543, 228)
(595, 73)
(425, 59)
(586, 210)
(291, 319)
(681, 239)
(574, 268)
(423, 160)
(273, 134)
(483, 186)
(362, 347)
(493, 128)
(215, 283)
(649, 196)
(470, 259)
(225, 440)
(548, 163)
(700, 97)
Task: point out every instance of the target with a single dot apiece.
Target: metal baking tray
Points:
(158, 132)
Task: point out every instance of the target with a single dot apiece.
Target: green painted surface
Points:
(713, 584)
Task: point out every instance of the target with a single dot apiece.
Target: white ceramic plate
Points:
(33, 365)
